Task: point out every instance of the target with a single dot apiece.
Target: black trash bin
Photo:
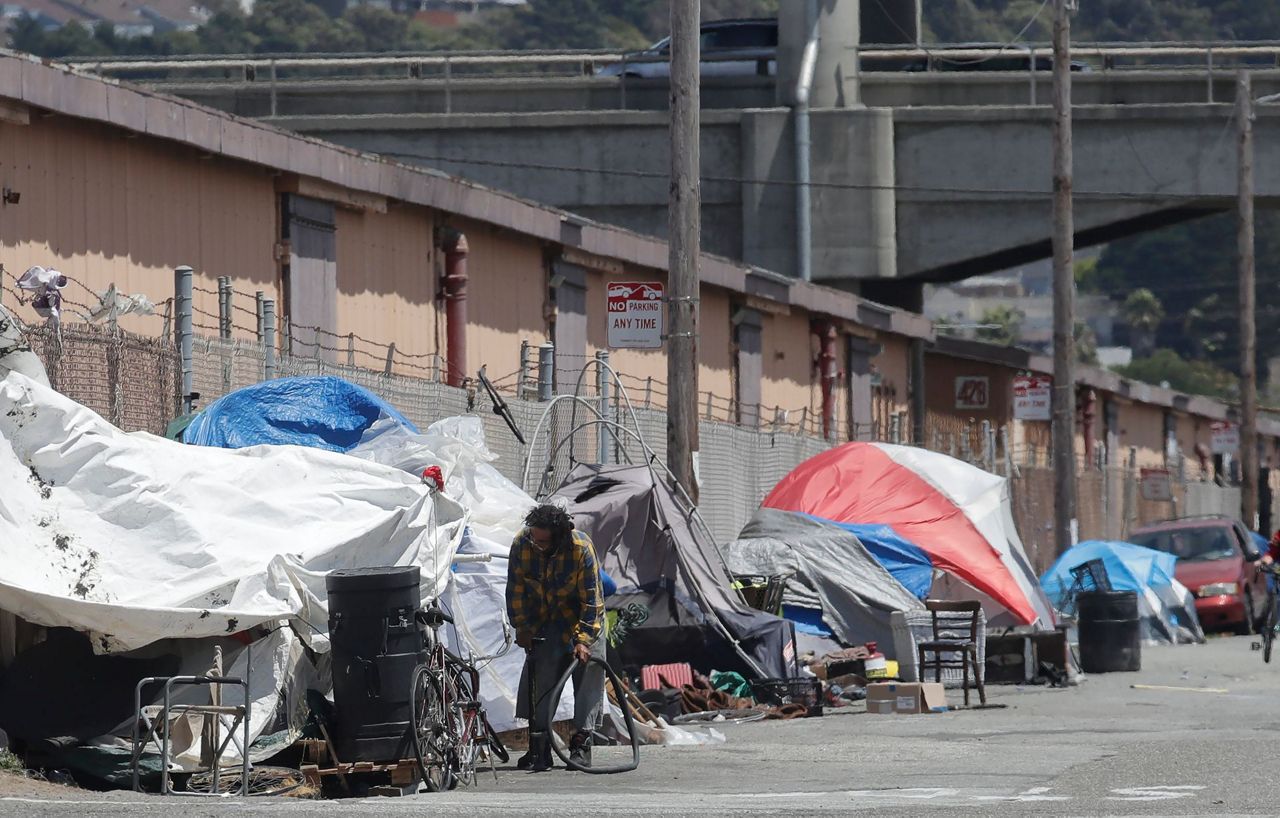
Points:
(1110, 631)
(376, 646)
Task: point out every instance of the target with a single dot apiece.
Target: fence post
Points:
(351, 349)
(268, 338)
(523, 378)
(893, 430)
(987, 455)
(602, 388)
(1130, 491)
(167, 332)
(258, 298)
(708, 406)
(648, 392)
(546, 371)
(182, 305)
(391, 356)
(224, 307)
(286, 332)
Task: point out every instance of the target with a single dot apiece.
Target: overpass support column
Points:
(918, 405)
(835, 82)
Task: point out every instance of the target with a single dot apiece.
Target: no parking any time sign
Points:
(635, 314)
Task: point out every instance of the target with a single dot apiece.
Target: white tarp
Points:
(134, 538)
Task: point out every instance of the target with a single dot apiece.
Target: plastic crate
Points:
(797, 690)
(912, 627)
(764, 593)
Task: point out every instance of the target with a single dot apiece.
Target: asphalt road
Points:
(1197, 737)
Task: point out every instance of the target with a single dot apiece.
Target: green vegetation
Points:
(10, 763)
(1194, 377)
(329, 26)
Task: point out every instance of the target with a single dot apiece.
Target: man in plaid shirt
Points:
(554, 597)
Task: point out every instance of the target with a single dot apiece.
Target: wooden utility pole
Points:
(1064, 288)
(684, 229)
(1248, 329)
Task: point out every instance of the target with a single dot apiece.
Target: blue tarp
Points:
(908, 563)
(320, 412)
(1129, 567)
(807, 620)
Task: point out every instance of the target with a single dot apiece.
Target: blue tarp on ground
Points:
(908, 563)
(321, 412)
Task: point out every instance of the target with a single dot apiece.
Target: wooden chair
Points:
(953, 633)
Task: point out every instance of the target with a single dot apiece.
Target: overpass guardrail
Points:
(458, 69)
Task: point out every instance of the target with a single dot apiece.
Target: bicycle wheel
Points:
(432, 744)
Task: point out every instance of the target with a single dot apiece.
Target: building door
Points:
(748, 367)
(310, 276)
(569, 291)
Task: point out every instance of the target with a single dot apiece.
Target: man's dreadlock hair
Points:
(551, 518)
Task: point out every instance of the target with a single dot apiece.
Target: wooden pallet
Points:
(402, 772)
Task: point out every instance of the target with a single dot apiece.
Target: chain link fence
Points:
(133, 381)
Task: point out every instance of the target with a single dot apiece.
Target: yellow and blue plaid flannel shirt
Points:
(556, 596)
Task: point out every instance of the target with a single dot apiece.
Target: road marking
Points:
(914, 793)
(1161, 793)
(1181, 689)
(1033, 794)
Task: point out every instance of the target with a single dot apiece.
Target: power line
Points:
(1154, 198)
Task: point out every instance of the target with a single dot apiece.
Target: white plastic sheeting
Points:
(133, 538)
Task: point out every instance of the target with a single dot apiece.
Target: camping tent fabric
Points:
(904, 560)
(1167, 608)
(320, 412)
(673, 585)
(956, 514)
(856, 593)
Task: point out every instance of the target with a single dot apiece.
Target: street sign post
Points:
(635, 314)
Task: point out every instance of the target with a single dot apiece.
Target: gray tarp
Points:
(673, 586)
(832, 568)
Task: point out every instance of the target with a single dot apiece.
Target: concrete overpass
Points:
(933, 176)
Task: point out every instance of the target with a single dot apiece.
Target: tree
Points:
(1086, 344)
(1000, 325)
(1195, 377)
(1143, 313)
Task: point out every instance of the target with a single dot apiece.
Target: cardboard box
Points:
(906, 698)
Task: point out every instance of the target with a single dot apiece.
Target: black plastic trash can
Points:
(376, 646)
(1110, 631)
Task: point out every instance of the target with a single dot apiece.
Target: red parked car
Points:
(1215, 561)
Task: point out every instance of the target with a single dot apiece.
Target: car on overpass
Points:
(749, 47)
(1216, 558)
(729, 48)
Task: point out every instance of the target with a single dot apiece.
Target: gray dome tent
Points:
(675, 601)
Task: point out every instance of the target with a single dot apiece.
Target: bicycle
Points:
(450, 730)
(451, 733)
(1271, 612)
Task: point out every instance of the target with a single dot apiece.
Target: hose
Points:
(626, 717)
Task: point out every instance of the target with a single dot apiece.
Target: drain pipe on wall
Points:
(455, 305)
(804, 223)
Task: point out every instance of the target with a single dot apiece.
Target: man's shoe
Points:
(580, 748)
(538, 759)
